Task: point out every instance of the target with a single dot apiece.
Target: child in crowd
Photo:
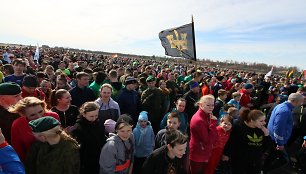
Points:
(90, 135)
(235, 100)
(223, 133)
(219, 103)
(144, 140)
(233, 112)
(173, 122)
(109, 125)
(117, 154)
(168, 158)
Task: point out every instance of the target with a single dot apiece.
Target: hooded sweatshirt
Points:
(144, 138)
(116, 153)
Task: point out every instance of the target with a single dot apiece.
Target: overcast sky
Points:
(271, 32)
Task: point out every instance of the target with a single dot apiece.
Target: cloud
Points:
(271, 30)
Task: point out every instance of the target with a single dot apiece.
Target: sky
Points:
(261, 31)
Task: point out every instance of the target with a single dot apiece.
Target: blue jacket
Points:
(9, 161)
(281, 123)
(144, 140)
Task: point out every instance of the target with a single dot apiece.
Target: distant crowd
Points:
(68, 112)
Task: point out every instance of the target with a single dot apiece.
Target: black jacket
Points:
(91, 138)
(159, 162)
(81, 95)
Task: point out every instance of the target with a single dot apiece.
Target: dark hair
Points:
(124, 119)
(8, 67)
(181, 99)
(174, 114)
(247, 115)
(58, 94)
(221, 92)
(100, 77)
(88, 107)
(79, 75)
(19, 62)
(174, 137)
(227, 118)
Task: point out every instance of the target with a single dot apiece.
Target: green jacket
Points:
(61, 158)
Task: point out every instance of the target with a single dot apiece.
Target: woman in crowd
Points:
(29, 108)
(62, 106)
(62, 82)
(46, 87)
(50, 73)
(55, 151)
(90, 136)
(109, 108)
(117, 154)
(180, 108)
(249, 138)
(203, 133)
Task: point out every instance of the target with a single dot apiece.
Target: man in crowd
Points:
(10, 94)
(81, 93)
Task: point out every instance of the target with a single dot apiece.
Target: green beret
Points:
(9, 88)
(43, 124)
(150, 79)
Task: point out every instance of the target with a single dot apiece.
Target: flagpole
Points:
(193, 38)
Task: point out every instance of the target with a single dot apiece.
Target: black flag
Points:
(179, 42)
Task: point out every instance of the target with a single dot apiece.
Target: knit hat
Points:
(43, 124)
(248, 86)
(109, 125)
(150, 79)
(124, 119)
(30, 81)
(143, 116)
(130, 80)
(193, 85)
(9, 88)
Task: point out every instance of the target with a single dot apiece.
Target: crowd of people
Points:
(83, 112)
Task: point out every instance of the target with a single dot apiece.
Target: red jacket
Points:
(245, 98)
(217, 151)
(22, 137)
(38, 93)
(202, 136)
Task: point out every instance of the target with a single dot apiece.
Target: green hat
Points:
(150, 79)
(43, 124)
(9, 88)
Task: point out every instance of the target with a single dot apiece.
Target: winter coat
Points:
(144, 140)
(203, 133)
(281, 123)
(22, 137)
(116, 155)
(9, 161)
(159, 162)
(91, 138)
(61, 158)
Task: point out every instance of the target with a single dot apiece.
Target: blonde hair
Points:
(106, 85)
(24, 103)
(204, 98)
(57, 131)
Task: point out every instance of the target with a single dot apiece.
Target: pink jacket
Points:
(203, 133)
